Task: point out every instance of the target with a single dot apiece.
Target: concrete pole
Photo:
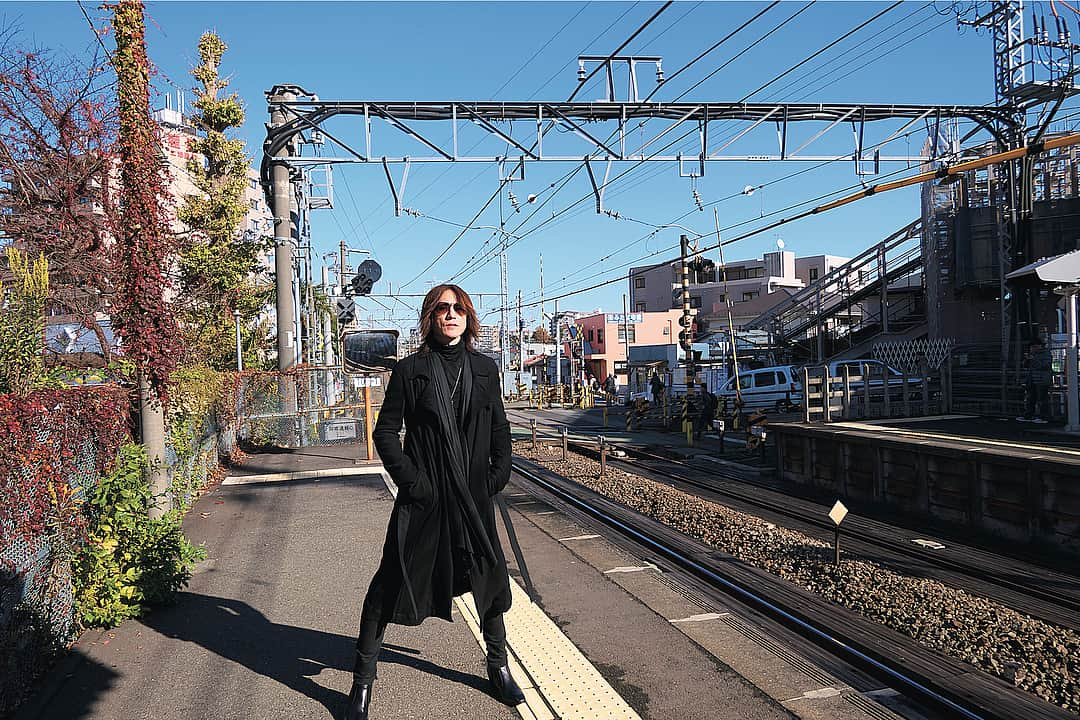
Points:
(283, 256)
(626, 344)
(1072, 401)
(521, 343)
(328, 342)
(152, 426)
(239, 346)
(558, 349)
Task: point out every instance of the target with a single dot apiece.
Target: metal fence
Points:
(37, 604)
(308, 406)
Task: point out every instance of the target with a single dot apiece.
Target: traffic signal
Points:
(346, 310)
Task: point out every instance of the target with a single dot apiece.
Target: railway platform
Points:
(266, 627)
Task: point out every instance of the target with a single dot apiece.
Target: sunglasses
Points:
(442, 307)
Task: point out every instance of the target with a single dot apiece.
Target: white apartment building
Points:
(176, 132)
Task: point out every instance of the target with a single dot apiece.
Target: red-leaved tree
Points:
(57, 131)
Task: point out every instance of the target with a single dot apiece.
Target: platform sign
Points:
(339, 429)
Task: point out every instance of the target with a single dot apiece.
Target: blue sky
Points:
(521, 51)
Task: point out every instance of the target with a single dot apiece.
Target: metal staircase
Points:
(831, 315)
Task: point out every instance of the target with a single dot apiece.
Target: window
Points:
(254, 183)
(755, 272)
(254, 204)
(667, 331)
(639, 282)
(695, 301)
(590, 335)
(813, 274)
(639, 307)
(627, 329)
(764, 379)
(600, 336)
(721, 298)
(748, 296)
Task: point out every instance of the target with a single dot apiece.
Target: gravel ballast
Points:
(1032, 654)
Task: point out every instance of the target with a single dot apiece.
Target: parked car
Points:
(778, 388)
(865, 367)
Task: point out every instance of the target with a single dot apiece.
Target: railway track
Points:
(947, 686)
(1039, 592)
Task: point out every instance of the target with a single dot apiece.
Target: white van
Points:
(778, 388)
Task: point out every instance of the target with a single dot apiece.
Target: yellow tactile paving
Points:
(558, 681)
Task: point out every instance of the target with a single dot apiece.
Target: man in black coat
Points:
(441, 541)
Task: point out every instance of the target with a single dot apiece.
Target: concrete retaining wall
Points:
(1017, 493)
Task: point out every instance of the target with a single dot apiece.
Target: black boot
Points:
(359, 699)
(503, 686)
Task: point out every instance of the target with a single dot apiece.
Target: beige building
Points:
(752, 286)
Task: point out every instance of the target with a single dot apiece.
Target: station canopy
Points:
(1061, 269)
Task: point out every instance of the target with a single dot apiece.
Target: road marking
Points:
(579, 537)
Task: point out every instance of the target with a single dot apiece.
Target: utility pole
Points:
(686, 321)
(558, 348)
(283, 258)
(328, 342)
(521, 341)
(504, 337)
(541, 288)
(626, 343)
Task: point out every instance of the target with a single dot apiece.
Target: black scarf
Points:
(453, 363)
(467, 534)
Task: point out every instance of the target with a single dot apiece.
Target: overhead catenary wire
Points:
(447, 196)
(647, 98)
(502, 184)
(659, 170)
(743, 99)
(938, 174)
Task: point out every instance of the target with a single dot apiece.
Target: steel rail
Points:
(1066, 604)
(951, 564)
(843, 647)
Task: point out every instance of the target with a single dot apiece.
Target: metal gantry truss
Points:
(309, 115)
(622, 123)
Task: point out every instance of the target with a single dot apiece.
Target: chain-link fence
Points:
(308, 406)
(37, 604)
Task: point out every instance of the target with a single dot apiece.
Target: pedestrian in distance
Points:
(657, 386)
(441, 541)
(1037, 384)
(706, 410)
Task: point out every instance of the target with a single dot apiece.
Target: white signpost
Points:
(837, 515)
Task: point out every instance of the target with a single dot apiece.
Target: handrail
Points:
(837, 276)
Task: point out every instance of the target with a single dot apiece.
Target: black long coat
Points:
(415, 579)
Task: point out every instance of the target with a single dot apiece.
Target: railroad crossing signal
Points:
(346, 310)
(366, 276)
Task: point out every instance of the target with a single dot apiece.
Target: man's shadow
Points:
(290, 655)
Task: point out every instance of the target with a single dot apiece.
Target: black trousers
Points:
(370, 639)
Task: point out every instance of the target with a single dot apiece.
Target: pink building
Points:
(607, 336)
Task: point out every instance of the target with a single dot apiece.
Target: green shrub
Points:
(130, 560)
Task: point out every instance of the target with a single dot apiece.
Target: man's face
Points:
(450, 318)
